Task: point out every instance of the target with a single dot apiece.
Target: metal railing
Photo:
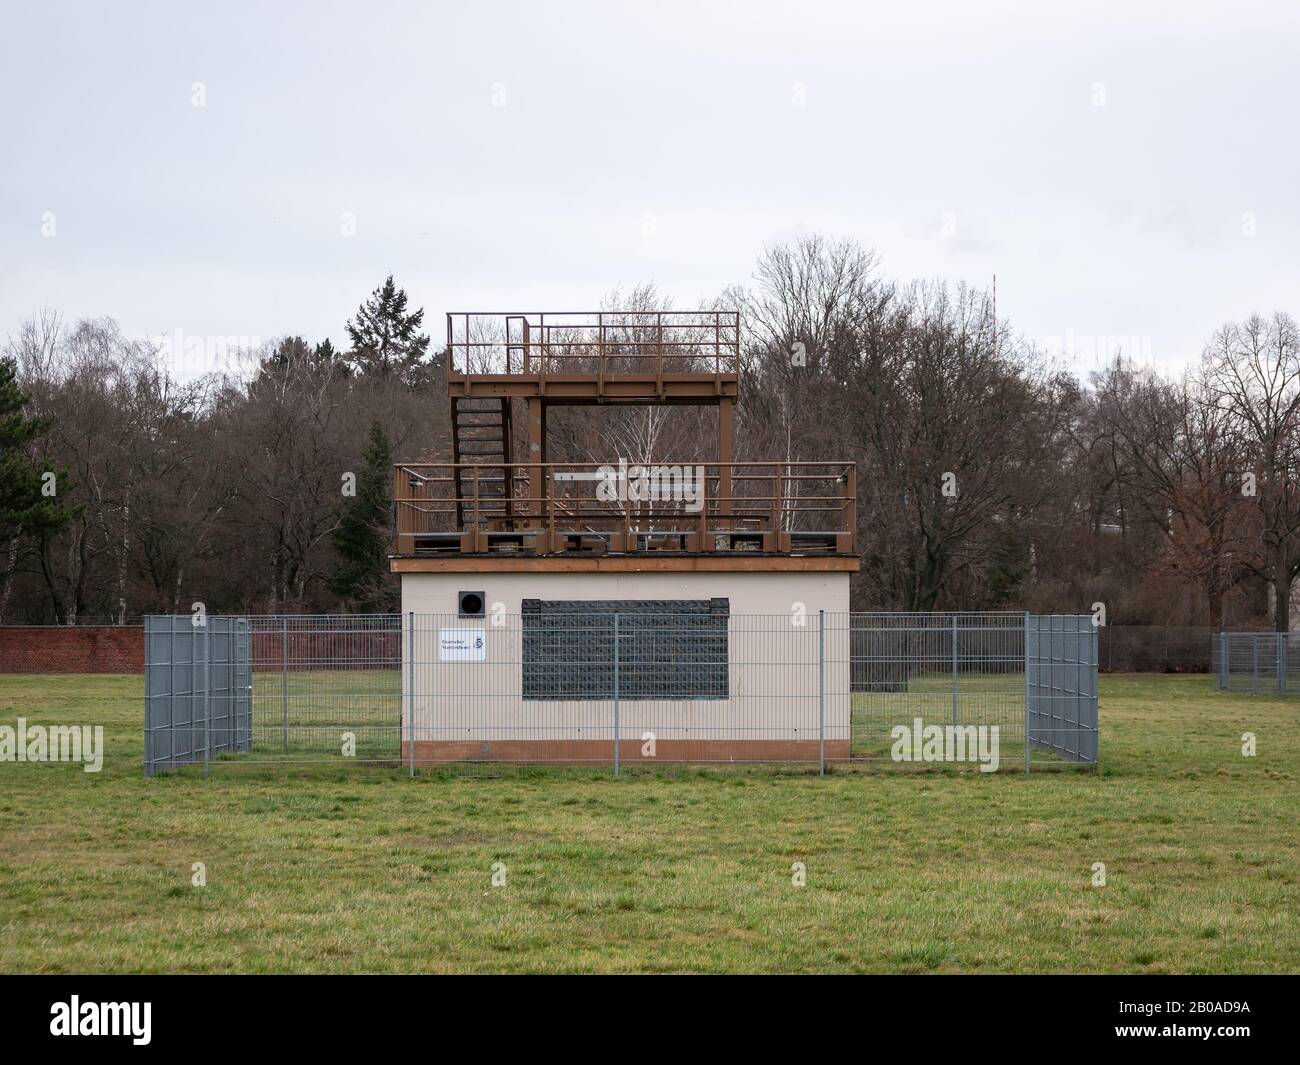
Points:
(544, 508)
(621, 687)
(600, 343)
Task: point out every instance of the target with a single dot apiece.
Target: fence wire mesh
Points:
(1257, 662)
(959, 669)
(318, 677)
(622, 688)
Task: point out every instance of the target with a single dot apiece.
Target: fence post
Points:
(207, 692)
(954, 674)
(1254, 665)
(284, 681)
(410, 688)
(148, 702)
(1223, 661)
(617, 762)
(821, 692)
(1024, 654)
(1280, 660)
(1285, 664)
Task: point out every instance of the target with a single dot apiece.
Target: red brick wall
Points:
(117, 649)
(71, 649)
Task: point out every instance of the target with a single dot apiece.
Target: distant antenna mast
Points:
(995, 316)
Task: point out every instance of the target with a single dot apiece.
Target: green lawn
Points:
(361, 869)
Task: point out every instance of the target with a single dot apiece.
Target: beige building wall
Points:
(474, 707)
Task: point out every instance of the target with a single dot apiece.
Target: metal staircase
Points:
(480, 434)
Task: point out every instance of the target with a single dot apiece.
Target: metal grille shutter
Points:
(667, 648)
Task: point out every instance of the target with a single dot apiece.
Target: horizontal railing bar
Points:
(559, 336)
(577, 314)
(599, 465)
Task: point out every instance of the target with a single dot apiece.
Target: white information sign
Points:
(462, 645)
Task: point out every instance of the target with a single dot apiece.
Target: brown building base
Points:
(601, 752)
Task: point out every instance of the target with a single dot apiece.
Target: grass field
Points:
(365, 870)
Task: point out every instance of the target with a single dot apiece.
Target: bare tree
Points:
(962, 441)
(1251, 374)
(285, 451)
(1180, 459)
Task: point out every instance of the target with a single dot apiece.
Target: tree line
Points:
(989, 476)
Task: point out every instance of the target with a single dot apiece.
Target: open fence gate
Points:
(198, 690)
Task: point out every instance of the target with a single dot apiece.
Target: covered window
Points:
(666, 648)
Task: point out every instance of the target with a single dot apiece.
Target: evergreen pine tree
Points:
(329, 358)
(24, 508)
(385, 338)
(362, 535)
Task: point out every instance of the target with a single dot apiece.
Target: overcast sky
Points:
(1127, 170)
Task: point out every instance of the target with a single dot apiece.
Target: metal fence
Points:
(1154, 648)
(1120, 648)
(197, 691)
(301, 683)
(1061, 685)
(626, 687)
(1258, 662)
(960, 669)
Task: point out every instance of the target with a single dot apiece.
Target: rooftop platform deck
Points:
(688, 357)
(585, 509)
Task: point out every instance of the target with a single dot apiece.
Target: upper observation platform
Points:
(682, 357)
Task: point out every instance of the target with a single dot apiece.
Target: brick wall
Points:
(120, 649)
(71, 649)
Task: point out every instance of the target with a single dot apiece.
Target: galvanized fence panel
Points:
(1061, 686)
(1257, 662)
(198, 690)
(621, 685)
